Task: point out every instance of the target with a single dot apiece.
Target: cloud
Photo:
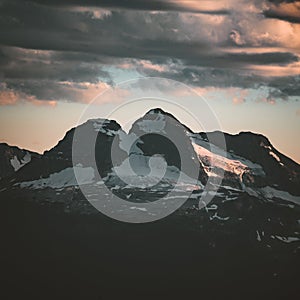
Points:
(19, 63)
(62, 50)
(11, 97)
(44, 90)
(8, 97)
(206, 7)
(284, 10)
(239, 98)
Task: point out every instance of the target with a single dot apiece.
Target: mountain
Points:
(248, 160)
(249, 231)
(160, 157)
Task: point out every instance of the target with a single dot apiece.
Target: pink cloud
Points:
(268, 100)
(8, 97)
(142, 65)
(51, 103)
(11, 97)
(146, 64)
(275, 71)
(84, 92)
(96, 93)
(237, 100)
(205, 5)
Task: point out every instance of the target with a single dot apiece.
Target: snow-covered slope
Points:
(62, 179)
(213, 158)
(268, 167)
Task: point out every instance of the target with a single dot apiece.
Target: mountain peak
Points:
(160, 111)
(156, 110)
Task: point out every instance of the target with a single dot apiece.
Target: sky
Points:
(56, 56)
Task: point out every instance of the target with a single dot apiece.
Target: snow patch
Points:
(272, 153)
(276, 157)
(62, 179)
(212, 160)
(258, 237)
(215, 216)
(100, 126)
(271, 193)
(146, 171)
(214, 157)
(26, 159)
(128, 142)
(153, 126)
(138, 208)
(286, 239)
(16, 164)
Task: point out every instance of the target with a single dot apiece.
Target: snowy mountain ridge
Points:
(140, 145)
(259, 186)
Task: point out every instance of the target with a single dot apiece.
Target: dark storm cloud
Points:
(239, 60)
(146, 5)
(79, 37)
(287, 85)
(50, 49)
(20, 64)
(284, 10)
(282, 1)
(281, 16)
(279, 87)
(42, 89)
(35, 27)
